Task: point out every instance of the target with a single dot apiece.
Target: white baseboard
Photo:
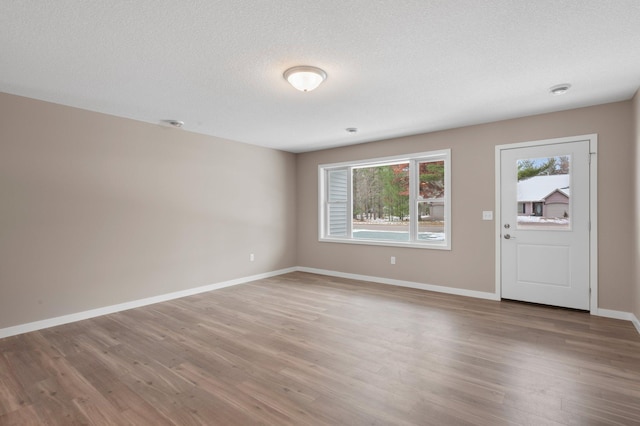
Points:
(92, 313)
(400, 283)
(628, 316)
(635, 322)
(608, 313)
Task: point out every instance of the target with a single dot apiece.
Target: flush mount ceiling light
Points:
(305, 78)
(560, 89)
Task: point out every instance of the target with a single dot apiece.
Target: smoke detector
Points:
(174, 123)
(559, 89)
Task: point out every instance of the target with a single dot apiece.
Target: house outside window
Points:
(544, 200)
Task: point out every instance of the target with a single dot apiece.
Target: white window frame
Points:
(413, 160)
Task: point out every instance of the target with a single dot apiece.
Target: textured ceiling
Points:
(395, 67)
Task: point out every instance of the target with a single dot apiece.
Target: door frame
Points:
(593, 209)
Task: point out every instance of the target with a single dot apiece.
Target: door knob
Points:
(508, 237)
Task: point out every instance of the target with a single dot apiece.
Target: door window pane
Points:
(544, 193)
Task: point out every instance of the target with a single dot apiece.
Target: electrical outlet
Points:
(251, 257)
(393, 260)
(487, 215)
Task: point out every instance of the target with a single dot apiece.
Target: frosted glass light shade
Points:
(305, 78)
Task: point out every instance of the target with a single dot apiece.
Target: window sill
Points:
(429, 246)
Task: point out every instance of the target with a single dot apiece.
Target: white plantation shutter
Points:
(338, 220)
(337, 202)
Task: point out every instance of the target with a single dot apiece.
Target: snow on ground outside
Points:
(367, 234)
(541, 219)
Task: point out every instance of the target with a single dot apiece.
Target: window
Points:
(544, 184)
(522, 208)
(403, 201)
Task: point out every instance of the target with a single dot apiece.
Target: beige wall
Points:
(97, 210)
(636, 259)
(471, 263)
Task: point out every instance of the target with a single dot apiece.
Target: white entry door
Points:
(544, 234)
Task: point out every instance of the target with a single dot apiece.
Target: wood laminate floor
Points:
(304, 349)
